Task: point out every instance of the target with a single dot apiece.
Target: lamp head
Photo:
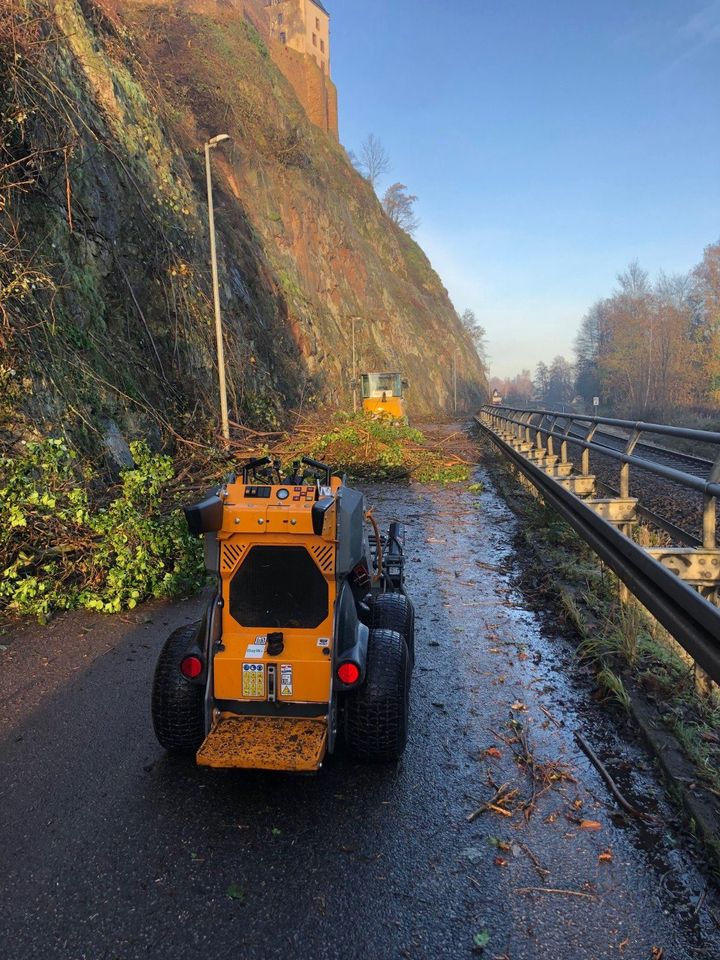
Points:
(220, 138)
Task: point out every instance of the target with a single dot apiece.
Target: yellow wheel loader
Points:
(307, 640)
(384, 394)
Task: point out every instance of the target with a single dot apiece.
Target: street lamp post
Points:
(210, 145)
(354, 366)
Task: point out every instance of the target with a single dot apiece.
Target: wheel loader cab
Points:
(286, 640)
(383, 393)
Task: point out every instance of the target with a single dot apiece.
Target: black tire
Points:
(177, 705)
(376, 714)
(394, 611)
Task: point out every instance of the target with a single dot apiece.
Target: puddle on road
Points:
(512, 697)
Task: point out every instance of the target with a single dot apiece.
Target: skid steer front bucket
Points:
(265, 743)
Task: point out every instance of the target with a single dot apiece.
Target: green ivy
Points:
(59, 550)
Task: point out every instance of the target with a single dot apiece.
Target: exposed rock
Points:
(113, 209)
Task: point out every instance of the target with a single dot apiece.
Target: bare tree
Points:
(542, 380)
(477, 333)
(400, 207)
(561, 381)
(373, 161)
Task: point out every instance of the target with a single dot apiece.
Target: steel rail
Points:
(688, 616)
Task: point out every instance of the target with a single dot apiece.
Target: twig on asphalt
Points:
(701, 901)
(528, 759)
(625, 804)
(542, 872)
(565, 893)
(502, 795)
(550, 716)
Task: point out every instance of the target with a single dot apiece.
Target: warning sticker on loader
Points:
(286, 680)
(255, 651)
(323, 642)
(253, 682)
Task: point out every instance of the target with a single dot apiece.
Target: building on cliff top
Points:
(302, 25)
(300, 45)
(297, 33)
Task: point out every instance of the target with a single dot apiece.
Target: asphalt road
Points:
(109, 849)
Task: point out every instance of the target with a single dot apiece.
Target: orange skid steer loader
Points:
(308, 637)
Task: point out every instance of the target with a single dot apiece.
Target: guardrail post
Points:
(550, 442)
(517, 429)
(625, 468)
(703, 680)
(710, 512)
(585, 458)
(527, 427)
(564, 447)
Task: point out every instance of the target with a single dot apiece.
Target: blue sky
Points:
(550, 143)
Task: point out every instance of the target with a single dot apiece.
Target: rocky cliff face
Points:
(104, 284)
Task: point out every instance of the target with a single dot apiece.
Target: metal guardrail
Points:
(538, 424)
(669, 582)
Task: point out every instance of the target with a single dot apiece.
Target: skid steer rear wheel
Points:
(177, 704)
(376, 714)
(394, 611)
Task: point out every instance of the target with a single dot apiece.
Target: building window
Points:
(322, 46)
(317, 23)
(314, 39)
(280, 19)
(283, 37)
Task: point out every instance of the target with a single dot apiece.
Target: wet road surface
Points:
(110, 849)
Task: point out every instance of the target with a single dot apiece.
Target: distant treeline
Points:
(646, 350)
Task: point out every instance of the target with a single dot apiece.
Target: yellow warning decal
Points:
(253, 680)
(286, 680)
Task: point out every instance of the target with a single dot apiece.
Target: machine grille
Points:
(279, 587)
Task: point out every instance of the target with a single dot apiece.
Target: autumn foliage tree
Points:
(706, 322)
(651, 348)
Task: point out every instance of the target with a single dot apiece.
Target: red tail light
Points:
(191, 667)
(348, 673)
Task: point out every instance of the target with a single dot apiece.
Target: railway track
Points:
(698, 466)
(675, 512)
